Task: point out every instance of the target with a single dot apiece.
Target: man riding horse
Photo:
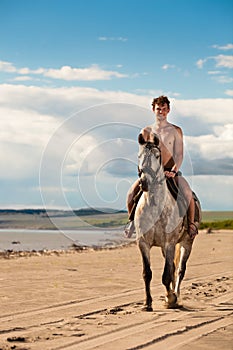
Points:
(171, 146)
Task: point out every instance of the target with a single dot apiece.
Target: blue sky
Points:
(58, 58)
(151, 42)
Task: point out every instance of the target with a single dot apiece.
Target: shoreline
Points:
(75, 249)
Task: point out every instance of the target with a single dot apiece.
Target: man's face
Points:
(161, 111)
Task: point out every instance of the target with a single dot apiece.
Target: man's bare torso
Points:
(168, 135)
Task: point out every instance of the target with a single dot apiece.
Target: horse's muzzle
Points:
(143, 183)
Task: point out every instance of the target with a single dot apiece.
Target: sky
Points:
(77, 79)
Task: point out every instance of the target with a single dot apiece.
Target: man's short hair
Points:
(161, 100)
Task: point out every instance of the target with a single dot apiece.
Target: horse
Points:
(158, 222)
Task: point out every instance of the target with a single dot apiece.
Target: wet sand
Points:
(92, 299)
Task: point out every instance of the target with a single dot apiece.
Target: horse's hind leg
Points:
(147, 273)
(169, 275)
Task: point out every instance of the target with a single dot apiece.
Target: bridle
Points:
(147, 169)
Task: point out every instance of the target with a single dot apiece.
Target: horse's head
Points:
(149, 161)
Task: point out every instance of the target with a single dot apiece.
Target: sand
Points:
(93, 300)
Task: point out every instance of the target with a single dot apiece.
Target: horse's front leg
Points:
(147, 273)
(185, 250)
(169, 274)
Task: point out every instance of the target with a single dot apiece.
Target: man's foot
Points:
(192, 230)
(129, 229)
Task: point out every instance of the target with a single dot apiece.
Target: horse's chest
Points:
(157, 226)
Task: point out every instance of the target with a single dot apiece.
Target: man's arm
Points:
(177, 152)
(178, 149)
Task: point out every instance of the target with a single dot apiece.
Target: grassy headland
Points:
(217, 220)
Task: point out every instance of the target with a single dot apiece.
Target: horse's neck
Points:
(159, 181)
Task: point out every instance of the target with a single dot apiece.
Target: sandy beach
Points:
(92, 299)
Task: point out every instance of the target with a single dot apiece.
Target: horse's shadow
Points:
(181, 307)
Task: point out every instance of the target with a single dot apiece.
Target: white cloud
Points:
(23, 136)
(111, 38)
(92, 73)
(224, 132)
(224, 61)
(24, 71)
(212, 147)
(208, 111)
(7, 67)
(200, 63)
(26, 127)
(22, 78)
(63, 101)
(30, 115)
(223, 79)
(214, 72)
(229, 92)
(168, 66)
(79, 74)
(224, 47)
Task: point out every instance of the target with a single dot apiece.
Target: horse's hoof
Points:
(171, 301)
(147, 308)
(172, 306)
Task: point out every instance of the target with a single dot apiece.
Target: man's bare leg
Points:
(187, 192)
(193, 230)
(134, 189)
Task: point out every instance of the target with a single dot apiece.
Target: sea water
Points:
(22, 239)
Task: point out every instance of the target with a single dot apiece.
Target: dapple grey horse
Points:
(158, 222)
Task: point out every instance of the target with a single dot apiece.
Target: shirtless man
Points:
(171, 145)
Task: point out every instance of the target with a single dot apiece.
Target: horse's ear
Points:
(141, 139)
(156, 140)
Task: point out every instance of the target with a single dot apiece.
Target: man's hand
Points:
(170, 173)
